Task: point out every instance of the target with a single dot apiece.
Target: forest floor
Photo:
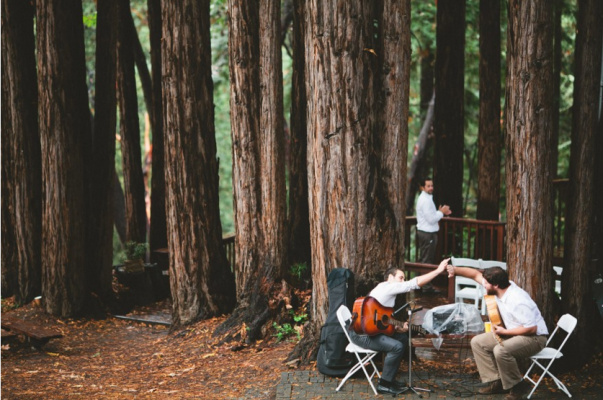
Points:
(114, 358)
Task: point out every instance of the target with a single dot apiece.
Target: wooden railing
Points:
(228, 242)
(460, 237)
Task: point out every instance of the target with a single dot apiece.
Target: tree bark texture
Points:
(489, 138)
(119, 209)
(427, 76)
(528, 137)
(579, 227)
(449, 108)
(258, 157)
(357, 90)
(202, 284)
(136, 217)
(21, 157)
(418, 164)
(64, 126)
(102, 166)
(298, 220)
(158, 228)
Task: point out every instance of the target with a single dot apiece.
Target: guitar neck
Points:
(414, 328)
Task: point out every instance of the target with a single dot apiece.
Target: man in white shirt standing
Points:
(427, 225)
(385, 293)
(523, 336)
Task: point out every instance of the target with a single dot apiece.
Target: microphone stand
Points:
(410, 386)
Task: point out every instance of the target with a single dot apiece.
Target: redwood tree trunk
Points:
(22, 167)
(579, 227)
(21, 158)
(136, 217)
(489, 138)
(201, 282)
(449, 108)
(298, 221)
(357, 92)
(64, 126)
(158, 228)
(258, 157)
(102, 167)
(528, 138)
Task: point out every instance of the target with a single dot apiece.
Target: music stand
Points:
(409, 385)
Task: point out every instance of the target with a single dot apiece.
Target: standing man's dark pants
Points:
(393, 345)
(427, 246)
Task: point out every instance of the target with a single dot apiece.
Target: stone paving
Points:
(314, 385)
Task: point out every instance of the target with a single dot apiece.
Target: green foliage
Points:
(90, 20)
(135, 251)
(298, 269)
(284, 331)
(298, 318)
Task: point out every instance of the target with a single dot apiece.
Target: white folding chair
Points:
(465, 288)
(343, 315)
(567, 323)
(485, 264)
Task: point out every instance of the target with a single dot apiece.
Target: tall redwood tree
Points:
(449, 107)
(579, 227)
(21, 157)
(357, 75)
(201, 282)
(258, 173)
(64, 129)
(528, 138)
(489, 141)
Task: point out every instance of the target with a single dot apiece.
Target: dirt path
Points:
(121, 359)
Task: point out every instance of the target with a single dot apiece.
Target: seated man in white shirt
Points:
(523, 336)
(385, 293)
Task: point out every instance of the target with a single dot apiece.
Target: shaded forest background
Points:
(423, 53)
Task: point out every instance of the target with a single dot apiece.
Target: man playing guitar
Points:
(385, 293)
(524, 333)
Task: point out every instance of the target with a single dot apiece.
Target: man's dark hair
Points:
(497, 276)
(424, 181)
(390, 271)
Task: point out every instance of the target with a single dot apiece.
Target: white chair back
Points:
(484, 264)
(343, 315)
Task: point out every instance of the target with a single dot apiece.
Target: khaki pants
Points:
(500, 362)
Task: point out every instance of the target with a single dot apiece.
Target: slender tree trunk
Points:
(418, 164)
(528, 136)
(136, 218)
(558, 12)
(201, 282)
(298, 221)
(102, 177)
(356, 88)
(64, 125)
(579, 227)
(258, 157)
(140, 60)
(449, 107)
(119, 209)
(158, 229)
(427, 77)
(22, 167)
(489, 138)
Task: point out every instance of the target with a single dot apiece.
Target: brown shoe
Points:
(494, 387)
(518, 391)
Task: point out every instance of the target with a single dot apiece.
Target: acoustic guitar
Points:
(371, 318)
(494, 315)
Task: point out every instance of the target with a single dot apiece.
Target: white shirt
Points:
(385, 292)
(427, 214)
(517, 309)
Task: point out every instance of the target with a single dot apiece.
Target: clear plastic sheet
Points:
(452, 319)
